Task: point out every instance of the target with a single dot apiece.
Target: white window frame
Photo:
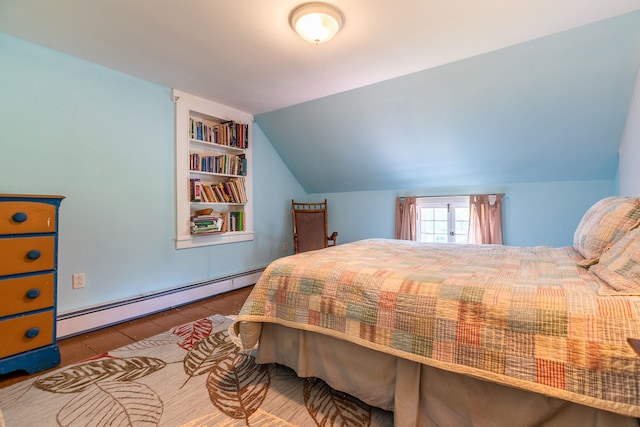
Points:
(449, 202)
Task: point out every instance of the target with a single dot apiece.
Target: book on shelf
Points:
(207, 224)
(217, 222)
(229, 191)
(208, 192)
(240, 185)
(222, 163)
(233, 221)
(220, 198)
(195, 189)
(232, 190)
(230, 133)
(243, 165)
(236, 220)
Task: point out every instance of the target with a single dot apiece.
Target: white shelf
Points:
(205, 204)
(192, 172)
(187, 106)
(214, 146)
(213, 239)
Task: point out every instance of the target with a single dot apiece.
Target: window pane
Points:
(426, 237)
(462, 227)
(461, 238)
(462, 220)
(441, 214)
(426, 214)
(441, 227)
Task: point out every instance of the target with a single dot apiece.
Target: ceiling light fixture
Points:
(316, 22)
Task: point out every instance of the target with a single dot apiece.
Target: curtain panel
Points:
(405, 218)
(485, 219)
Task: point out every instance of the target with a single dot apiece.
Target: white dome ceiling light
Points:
(316, 22)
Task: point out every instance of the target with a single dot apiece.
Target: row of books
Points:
(229, 133)
(235, 221)
(217, 222)
(223, 163)
(231, 191)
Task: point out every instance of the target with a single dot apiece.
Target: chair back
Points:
(310, 226)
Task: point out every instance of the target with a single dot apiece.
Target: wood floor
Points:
(85, 346)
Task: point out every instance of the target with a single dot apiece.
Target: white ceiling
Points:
(244, 54)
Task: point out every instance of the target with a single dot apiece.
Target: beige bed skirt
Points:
(420, 395)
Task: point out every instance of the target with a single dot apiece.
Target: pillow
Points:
(604, 224)
(619, 267)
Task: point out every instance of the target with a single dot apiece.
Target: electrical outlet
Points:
(285, 246)
(77, 280)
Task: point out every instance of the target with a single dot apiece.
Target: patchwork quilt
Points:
(524, 317)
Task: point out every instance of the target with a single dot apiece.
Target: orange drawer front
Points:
(27, 217)
(14, 333)
(26, 254)
(26, 294)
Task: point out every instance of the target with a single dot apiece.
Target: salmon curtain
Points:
(406, 218)
(485, 219)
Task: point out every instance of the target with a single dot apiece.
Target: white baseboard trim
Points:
(89, 319)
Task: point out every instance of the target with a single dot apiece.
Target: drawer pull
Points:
(33, 293)
(19, 217)
(32, 332)
(33, 254)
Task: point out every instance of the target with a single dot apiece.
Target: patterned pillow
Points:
(604, 224)
(619, 267)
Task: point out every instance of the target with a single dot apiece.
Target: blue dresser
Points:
(28, 265)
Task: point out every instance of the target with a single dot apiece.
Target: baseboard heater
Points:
(85, 320)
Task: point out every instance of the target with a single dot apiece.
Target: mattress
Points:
(527, 318)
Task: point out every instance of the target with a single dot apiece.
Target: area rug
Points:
(192, 375)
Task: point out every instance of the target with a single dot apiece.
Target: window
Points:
(442, 219)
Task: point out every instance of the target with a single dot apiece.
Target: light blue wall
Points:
(105, 140)
(629, 170)
(534, 214)
(273, 188)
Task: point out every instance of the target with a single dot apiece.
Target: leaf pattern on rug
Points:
(149, 343)
(78, 377)
(258, 418)
(193, 332)
(17, 391)
(237, 385)
(144, 345)
(118, 391)
(98, 357)
(113, 403)
(206, 353)
(329, 407)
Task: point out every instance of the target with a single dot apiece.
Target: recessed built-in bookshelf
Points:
(213, 173)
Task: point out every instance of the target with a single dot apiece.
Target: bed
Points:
(445, 334)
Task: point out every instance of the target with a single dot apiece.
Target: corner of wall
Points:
(628, 175)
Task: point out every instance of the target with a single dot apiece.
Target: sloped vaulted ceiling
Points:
(410, 94)
(551, 109)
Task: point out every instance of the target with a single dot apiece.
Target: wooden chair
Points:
(310, 229)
